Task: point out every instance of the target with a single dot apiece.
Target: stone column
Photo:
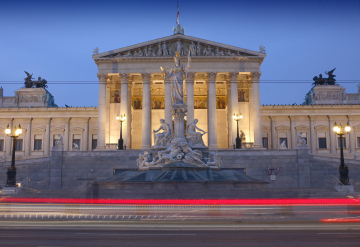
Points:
(312, 135)
(229, 115)
(168, 117)
(251, 114)
(129, 117)
(28, 138)
(190, 96)
(8, 139)
(234, 104)
(273, 132)
(66, 134)
(107, 114)
(146, 112)
(212, 123)
(86, 134)
(257, 110)
(124, 105)
(47, 144)
(352, 143)
(332, 135)
(292, 132)
(101, 111)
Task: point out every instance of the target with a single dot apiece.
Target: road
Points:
(83, 233)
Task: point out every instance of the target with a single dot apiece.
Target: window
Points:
(76, 142)
(283, 140)
(358, 142)
(265, 142)
(1, 145)
(343, 142)
(94, 142)
(19, 144)
(37, 143)
(322, 143)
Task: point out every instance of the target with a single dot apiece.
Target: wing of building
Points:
(222, 80)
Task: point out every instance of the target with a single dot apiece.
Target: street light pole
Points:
(343, 169)
(121, 119)
(11, 173)
(238, 139)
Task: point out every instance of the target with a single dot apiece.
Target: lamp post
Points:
(121, 119)
(343, 169)
(11, 173)
(238, 139)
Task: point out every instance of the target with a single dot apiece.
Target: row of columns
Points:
(312, 140)
(212, 117)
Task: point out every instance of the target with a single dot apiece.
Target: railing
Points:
(337, 182)
(26, 180)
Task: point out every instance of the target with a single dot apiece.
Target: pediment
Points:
(167, 46)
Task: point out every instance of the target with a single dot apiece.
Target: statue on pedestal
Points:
(164, 138)
(177, 75)
(59, 142)
(300, 140)
(193, 137)
(192, 157)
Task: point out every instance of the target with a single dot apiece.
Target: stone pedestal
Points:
(179, 112)
(303, 166)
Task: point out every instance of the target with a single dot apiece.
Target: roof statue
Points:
(325, 81)
(29, 83)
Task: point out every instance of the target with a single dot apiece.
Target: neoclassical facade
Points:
(222, 80)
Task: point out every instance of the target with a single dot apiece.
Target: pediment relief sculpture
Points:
(168, 48)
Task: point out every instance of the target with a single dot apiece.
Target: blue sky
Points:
(54, 40)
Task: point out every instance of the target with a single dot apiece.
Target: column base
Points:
(145, 147)
(98, 148)
(213, 146)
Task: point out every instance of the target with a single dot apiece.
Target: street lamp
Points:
(121, 119)
(238, 139)
(343, 169)
(11, 173)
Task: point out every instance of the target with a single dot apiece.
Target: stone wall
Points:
(76, 169)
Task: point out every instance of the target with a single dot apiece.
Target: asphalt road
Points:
(82, 233)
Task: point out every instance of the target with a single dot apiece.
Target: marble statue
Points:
(198, 49)
(208, 51)
(214, 160)
(165, 49)
(96, 51)
(192, 48)
(179, 47)
(164, 138)
(159, 53)
(219, 52)
(192, 157)
(176, 76)
(193, 137)
(127, 54)
(300, 140)
(167, 156)
(59, 142)
(143, 159)
(283, 145)
(4, 159)
(75, 146)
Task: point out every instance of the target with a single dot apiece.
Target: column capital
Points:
(312, 118)
(67, 119)
(350, 117)
(28, 120)
(211, 76)
(48, 119)
(103, 77)
(125, 77)
(292, 118)
(190, 77)
(10, 120)
(272, 118)
(146, 77)
(255, 75)
(233, 77)
(331, 118)
(86, 119)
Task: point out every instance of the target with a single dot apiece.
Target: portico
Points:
(221, 81)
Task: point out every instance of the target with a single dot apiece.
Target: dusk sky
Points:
(55, 39)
